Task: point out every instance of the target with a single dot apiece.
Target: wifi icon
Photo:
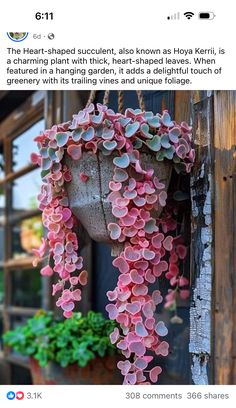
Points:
(188, 14)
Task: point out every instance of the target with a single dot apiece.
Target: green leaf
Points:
(62, 138)
(154, 144)
(46, 164)
(180, 195)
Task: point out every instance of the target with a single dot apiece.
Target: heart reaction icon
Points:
(19, 395)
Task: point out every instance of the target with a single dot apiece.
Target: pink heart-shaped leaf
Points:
(139, 224)
(76, 295)
(123, 296)
(156, 259)
(141, 265)
(83, 278)
(149, 188)
(149, 323)
(122, 345)
(181, 251)
(120, 175)
(140, 290)
(114, 186)
(119, 212)
(133, 307)
(112, 295)
(132, 184)
(149, 276)
(154, 373)
(131, 255)
(128, 220)
(183, 281)
(181, 151)
(140, 377)
(66, 213)
(139, 201)
(140, 363)
(124, 366)
(161, 329)
(114, 336)
(152, 199)
(156, 297)
(112, 311)
(159, 268)
(136, 277)
(157, 240)
(184, 294)
(147, 254)
(122, 202)
(68, 306)
(124, 279)
(130, 195)
(136, 319)
(168, 243)
(162, 198)
(46, 271)
(74, 151)
(115, 230)
(123, 319)
(130, 231)
(112, 197)
(148, 309)
(121, 264)
(131, 378)
(158, 184)
(162, 349)
(138, 348)
(148, 341)
(140, 330)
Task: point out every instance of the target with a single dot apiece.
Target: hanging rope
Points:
(91, 98)
(140, 100)
(106, 97)
(120, 101)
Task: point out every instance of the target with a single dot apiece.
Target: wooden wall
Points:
(213, 342)
(224, 324)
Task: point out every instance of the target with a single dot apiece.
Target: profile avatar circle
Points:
(17, 37)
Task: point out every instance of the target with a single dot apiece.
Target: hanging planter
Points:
(89, 198)
(111, 172)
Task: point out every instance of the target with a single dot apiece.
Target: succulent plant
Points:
(151, 251)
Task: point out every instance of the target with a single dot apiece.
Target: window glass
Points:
(26, 288)
(24, 145)
(27, 235)
(25, 190)
(1, 285)
(1, 163)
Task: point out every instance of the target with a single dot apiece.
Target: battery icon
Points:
(206, 15)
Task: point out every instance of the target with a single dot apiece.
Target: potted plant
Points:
(74, 351)
(111, 172)
(31, 232)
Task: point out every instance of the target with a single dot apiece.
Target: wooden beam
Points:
(196, 107)
(225, 237)
(201, 246)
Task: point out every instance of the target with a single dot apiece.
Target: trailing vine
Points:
(150, 249)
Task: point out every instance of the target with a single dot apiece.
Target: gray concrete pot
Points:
(88, 201)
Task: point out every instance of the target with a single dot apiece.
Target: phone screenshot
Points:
(117, 204)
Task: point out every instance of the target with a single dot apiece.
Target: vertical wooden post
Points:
(225, 237)
(197, 107)
(202, 252)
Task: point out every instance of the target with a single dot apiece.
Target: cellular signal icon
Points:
(175, 16)
(188, 14)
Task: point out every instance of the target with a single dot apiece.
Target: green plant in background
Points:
(76, 340)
